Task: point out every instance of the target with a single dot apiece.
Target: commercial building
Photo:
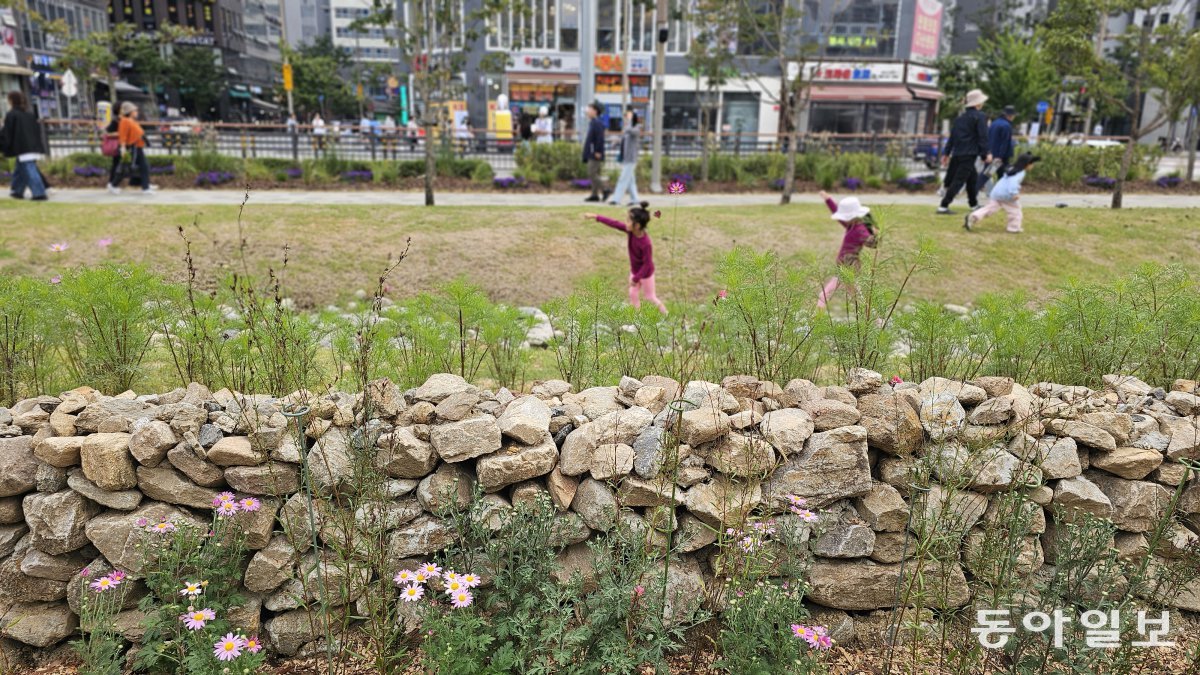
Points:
(29, 53)
(305, 20)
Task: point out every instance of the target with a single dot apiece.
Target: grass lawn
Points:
(529, 255)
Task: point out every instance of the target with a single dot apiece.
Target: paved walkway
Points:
(385, 198)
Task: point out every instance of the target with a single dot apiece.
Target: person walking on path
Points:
(318, 132)
(631, 141)
(1000, 145)
(1005, 195)
(543, 128)
(111, 132)
(593, 152)
(859, 233)
(968, 142)
(133, 140)
(21, 138)
(641, 254)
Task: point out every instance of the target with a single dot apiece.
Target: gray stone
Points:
(863, 381)
(526, 419)
(172, 487)
(1083, 433)
(942, 416)
(272, 478)
(597, 401)
(623, 426)
(112, 415)
(272, 566)
(466, 439)
(845, 540)
(210, 435)
(329, 462)
(891, 423)
(989, 469)
(18, 466)
(150, 441)
(966, 394)
(722, 501)
(595, 503)
(833, 466)
(829, 414)
(1137, 506)
(441, 386)
(702, 425)
(948, 510)
(50, 478)
(742, 456)
(648, 452)
(118, 536)
(54, 567)
(56, 521)
(1129, 463)
(456, 406)
(449, 484)
(611, 460)
(516, 462)
(236, 451)
(191, 462)
(787, 430)
(290, 631)
(562, 489)
(863, 585)
(883, 508)
(1185, 437)
(62, 452)
(10, 536)
(122, 500)
(1080, 494)
(637, 492)
(1056, 457)
(423, 536)
(404, 455)
(386, 398)
(15, 586)
(39, 624)
(107, 462)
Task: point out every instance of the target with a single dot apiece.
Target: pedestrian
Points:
(543, 128)
(318, 132)
(631, 141)
(1005, 195)
(1000, 146)
(389, 126)
(859, 228)
(414, 132)
(133, 140)
(641, 254)
(21, 138)
(291, 125)
(110, 132)
(968, 143)
(525, 129)
(593, 153)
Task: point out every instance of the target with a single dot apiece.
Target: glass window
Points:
(568, 31)
(606, 26)
(836, 118)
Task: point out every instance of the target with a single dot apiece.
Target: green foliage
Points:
(1018, 72)
(482, 173)
(111, 313)
(956, 76)
(25, 338)
(99, 644)
(196, 76)
(318, 71)
(582, 344)
(940, 343)
(560, 160)
(1069, 164)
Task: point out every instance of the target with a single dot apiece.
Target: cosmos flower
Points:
(59, 246)
(677, 188)
(228, 648)
(461, 599)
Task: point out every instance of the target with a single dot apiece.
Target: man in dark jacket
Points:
(21, 138)
(593, 152)
(968, 143)
(1001, 145)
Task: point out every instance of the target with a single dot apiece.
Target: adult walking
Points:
(1000, 145)
(968, 143)
(543, 128)
(318, 132)
(21, 138)
(133, 140)
(631, 141)
(593, 152)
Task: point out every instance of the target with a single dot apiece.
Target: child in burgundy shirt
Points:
(641, 254)
(855, 219)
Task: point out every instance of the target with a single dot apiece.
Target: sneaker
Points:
(593, 198)
(39, 199)
(941, 192)
(967, 222)
(16, 196)
(113, 189)
(612, 203)
(150, 188)
(607, 193)
(944, 211)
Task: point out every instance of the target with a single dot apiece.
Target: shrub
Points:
(1070, 164)
(560, 160)
(410, 168)
(25, 327)
(482, 173)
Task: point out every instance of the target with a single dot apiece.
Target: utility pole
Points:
(1101, 35)
(627, 27)
(660, 74)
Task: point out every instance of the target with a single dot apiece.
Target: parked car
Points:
(928, 150)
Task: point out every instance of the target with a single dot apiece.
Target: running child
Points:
(860, 232)
(641, 254)
(1006, 194)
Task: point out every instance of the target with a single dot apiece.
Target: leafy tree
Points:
(318, 70)
(147, 52)
(96, 56)
(196, 75)
(956, 76)
(1148, 61)
(1017, 72)
(711, 61)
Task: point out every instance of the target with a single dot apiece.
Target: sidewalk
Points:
(539, 200)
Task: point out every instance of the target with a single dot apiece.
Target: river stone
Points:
(526, 419)
(56, 521)
(122, 500)
(891, 423)
(787, 430)
(18, 466)
(516, 462)
(466, 439)
(107, 462)
(832, 466)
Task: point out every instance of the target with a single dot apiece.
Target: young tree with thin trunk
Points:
(711, 62)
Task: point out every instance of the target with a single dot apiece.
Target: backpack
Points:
(869, 222)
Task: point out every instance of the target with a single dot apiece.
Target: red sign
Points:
(927, 29)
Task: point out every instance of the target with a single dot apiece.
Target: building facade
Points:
(29, 53)
(305, 21)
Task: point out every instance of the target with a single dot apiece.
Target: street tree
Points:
(957, 75)
(711, 64)
(151, 56)
(195, 75)
(1148, 60)
(320, 84)
(95, 57)
(1016, 71)
(433, 38)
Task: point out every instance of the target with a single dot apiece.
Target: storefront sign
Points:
(927, 29)
(921, 75)
(855, 72)
(639, 86)
(8, 38)
(854, 41)
(540, 92)
(545, 63)
(613, 63)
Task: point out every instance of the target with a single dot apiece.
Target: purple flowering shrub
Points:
(1168, 182)
(1103, 182)
(358, 176)
(581, 184)
(852, 184)
(90, 171)
(508, 182)
(213, 178)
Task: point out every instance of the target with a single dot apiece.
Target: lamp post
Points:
(660, 71)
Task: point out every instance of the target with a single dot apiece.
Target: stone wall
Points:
(78, 472)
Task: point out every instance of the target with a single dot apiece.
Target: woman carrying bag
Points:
(133, 139)
(110, 146)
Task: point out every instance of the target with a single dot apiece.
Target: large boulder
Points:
(622, 426)
(107, 462)
(787, 430)
(16, 586)
(168, 485)
(56, 521)
(18, 466)
(832, 466)
(517, 462)
(39, 624)
(891, 423)
(59, 451)
(862, 585)
(466, 439)
(526, 419)
(119, 537)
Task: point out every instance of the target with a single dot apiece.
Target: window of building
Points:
(430, 13)
(536, 25)
(568, 32)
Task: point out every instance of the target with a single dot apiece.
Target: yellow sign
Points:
(287, 77)
(393, 82)
(359, 91)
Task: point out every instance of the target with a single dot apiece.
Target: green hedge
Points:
(1070, 164)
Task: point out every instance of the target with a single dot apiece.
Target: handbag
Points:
(110, 146)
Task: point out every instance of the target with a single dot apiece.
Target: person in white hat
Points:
(543, 126)
(968, 143)
(860, 232)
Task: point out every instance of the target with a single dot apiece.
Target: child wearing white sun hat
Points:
(859, 233)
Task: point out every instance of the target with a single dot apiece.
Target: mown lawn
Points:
(529, 255)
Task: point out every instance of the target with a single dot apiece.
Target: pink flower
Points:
(450, 575)
(195, 619)
(250, 504)
(105, 242)
(432, 570)
(191, 589)
(802, 632)
(658, 214)
(224, 497)
(253, 645)
(896, 380)
(163, 527)
(639, 591)
(228, 648)
(677, 188)
(806, 515)
(722, 294)
(227, 508)
(56, 279)
(404, 577)
(59, 246)
(822, 642)
(104, 584)
(461, 599)
(142, 522)
(470, 580)
(85, 572)
(412, 593)
(117, 576)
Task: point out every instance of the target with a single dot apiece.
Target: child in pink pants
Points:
(855, 219)
(641, 254)
(1006, 194)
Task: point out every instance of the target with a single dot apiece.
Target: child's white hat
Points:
(850, 209)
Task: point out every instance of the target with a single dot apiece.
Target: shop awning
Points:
(238, 93)
(862, 93)
(15, 70)
(927, 94)
(263, 104)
